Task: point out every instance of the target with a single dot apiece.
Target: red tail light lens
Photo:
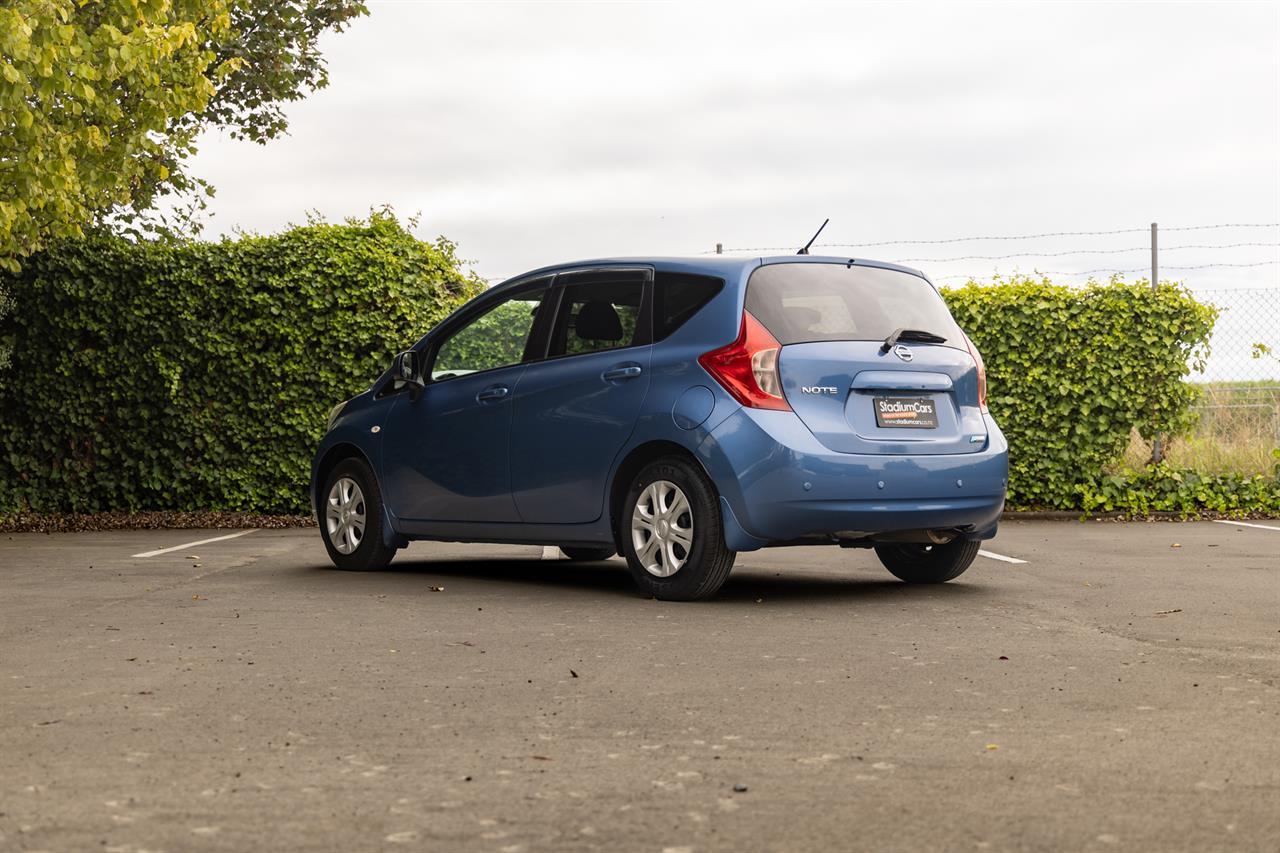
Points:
(982, 373)
(748, 367)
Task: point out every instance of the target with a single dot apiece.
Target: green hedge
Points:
(1071, 371)
(192, 377)
(1161, 488)
(198, 376)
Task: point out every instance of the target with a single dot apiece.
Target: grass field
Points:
(1238, 427)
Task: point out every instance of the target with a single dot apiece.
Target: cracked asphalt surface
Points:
(1113, 692)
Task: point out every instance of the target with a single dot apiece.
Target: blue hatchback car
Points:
(677, 411)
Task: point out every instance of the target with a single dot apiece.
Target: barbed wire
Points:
(1043, 235)
(979, 238)
(1073, 252)
(1221, 225)
(1115, 271)
(1211, 266)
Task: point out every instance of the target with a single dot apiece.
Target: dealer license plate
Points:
(905, 412)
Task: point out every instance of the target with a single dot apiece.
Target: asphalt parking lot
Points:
(1120, 689)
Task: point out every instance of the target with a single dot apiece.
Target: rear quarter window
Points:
(678, 296)
(799, 303)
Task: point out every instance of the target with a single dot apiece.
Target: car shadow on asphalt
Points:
(747, 585)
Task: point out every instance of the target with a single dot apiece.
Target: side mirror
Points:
(406, 369)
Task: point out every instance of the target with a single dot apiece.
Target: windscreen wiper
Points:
(917, 335)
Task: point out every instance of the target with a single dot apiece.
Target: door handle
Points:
(629, 371)
(493, 393)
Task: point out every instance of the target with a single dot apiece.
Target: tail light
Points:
(982, 373)
(748, 367)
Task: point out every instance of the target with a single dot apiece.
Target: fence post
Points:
(1157, 443)
(1155, 266)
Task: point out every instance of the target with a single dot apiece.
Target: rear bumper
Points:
(779, 483)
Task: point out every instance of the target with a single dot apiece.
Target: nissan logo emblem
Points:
(903, 353)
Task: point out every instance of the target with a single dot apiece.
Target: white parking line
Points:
(194, 544)
(1001, 557)
(1246, 524)
(550, 552)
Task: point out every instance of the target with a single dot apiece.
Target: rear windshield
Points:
(835, 302)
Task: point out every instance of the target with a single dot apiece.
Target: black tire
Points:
(587, 555)
(706, 564)
(371, 553)
(928, 563)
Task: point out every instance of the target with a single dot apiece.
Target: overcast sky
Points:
(532, 133)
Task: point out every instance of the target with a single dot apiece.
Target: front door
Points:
(446, 453)
(576, 409)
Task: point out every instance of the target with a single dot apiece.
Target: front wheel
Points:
(350, 518)
(928, 563)
(671, 532)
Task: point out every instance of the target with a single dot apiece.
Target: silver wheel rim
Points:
(662, 529)
(344, 515)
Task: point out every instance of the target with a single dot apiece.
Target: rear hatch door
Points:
(854, 393)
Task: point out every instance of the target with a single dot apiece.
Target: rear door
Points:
(854, 393)
(575, 409)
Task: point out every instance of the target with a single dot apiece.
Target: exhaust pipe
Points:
(919, 537)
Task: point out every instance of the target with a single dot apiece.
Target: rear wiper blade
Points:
(918, 335)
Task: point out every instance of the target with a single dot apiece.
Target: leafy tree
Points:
(101, 101)
(273, 49)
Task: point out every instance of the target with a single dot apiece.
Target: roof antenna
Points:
(805, 250)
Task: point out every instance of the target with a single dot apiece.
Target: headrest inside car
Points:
(598, 321)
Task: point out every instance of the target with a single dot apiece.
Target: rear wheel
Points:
(928, 563)
(351, 518)
(587, 555)
(671, 532)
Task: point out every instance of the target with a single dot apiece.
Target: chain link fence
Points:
(1239, 412)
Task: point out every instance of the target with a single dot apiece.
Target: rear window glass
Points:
(679, 296)
(835, 302)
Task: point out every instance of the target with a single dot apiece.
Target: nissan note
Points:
(676, 412)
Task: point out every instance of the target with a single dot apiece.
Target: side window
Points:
(597, 315)
(497, 338)
(678, 297)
